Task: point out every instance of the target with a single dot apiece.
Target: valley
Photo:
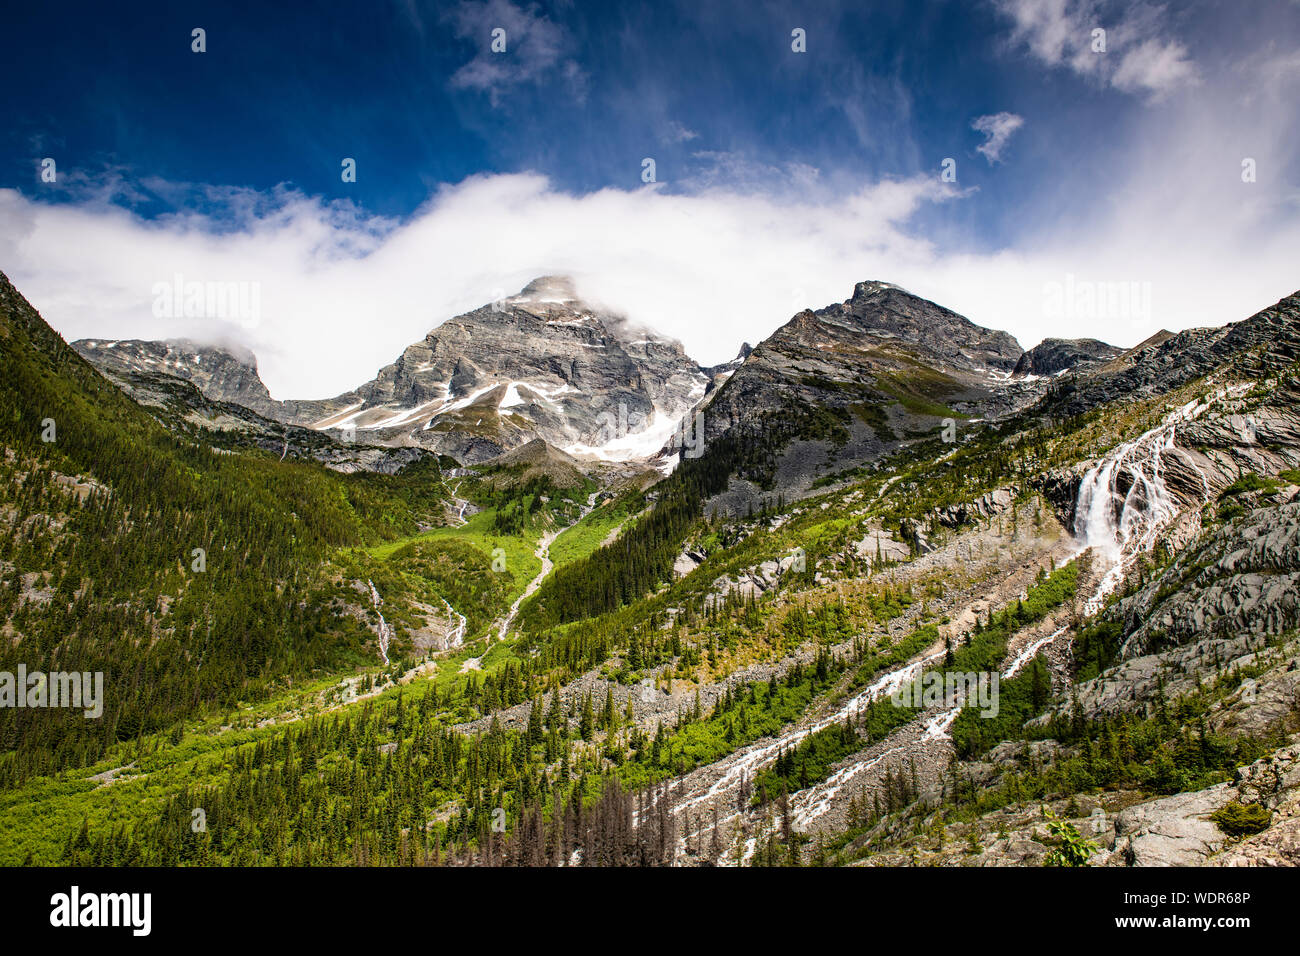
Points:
(456, 613)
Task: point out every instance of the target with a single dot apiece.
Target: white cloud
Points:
(1139, 56)
(340, 296)
(342, 293)
(1153, 67)
(675, 132)
(997, 129)
(337, 302)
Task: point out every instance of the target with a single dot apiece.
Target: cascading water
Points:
(1122, 507)
(457, 637)
(384, 632)
(1120, 523)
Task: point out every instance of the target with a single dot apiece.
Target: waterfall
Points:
(384, 632)
(458, 636)
(1121, 523)
(1118, 524)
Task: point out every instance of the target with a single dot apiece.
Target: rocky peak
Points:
(848, 382)
(540, 364)
(1051, 356)
(880, 314)
(1268, 341)
(886, 311)
(546, 290)
(224, 372)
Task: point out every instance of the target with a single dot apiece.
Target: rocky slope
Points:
(223, 373)
(540, 364)
(1052, 356)
(842, 385)
(217, 389)
(1266, 342)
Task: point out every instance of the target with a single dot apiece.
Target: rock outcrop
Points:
(539, 364)
(1267, 342)
(1052, 356)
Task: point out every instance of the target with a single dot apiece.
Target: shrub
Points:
(1241, 819)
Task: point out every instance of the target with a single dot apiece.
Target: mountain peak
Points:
(547, 290)
(223, 371)
(871, 287)
(889, 314)
(1053, 356)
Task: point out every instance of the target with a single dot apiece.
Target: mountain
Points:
(539, 364)
(536, 460)
(846, 383)
(781, 652)
(1264, 343)
(223, 373)
(190, 575)
(1052, 356)
(217, 389)
(718, 374)
(1130, 575)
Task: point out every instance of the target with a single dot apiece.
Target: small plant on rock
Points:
(1242, 819)
(1072, 847)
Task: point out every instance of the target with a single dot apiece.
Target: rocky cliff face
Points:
(224, 373)
(540, 364)
(883, 345)
(180, 403)
(845, 384)
(1051, 356)
(1268, 341)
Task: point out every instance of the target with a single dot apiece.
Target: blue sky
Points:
(477, 169)
(586, 92)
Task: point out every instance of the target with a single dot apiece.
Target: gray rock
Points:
(540, 364)
(1051, 356)
(1172, 831)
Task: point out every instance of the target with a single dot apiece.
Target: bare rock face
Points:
(1052, 356)
(223, 373)
(1277, 846)
(1243, 579)
(540, 364)
(1229, 600)
(1173, 831)
(1273, 783)
(881, 346)
(848, 383)
(1265, 343)
(686, 562)
(1180, 831)
(186, 400)
(987, 505)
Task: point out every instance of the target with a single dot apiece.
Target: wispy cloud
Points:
(531, 49)
(735, 172)
(997, 129)
(1135, 52)
(676, 132)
